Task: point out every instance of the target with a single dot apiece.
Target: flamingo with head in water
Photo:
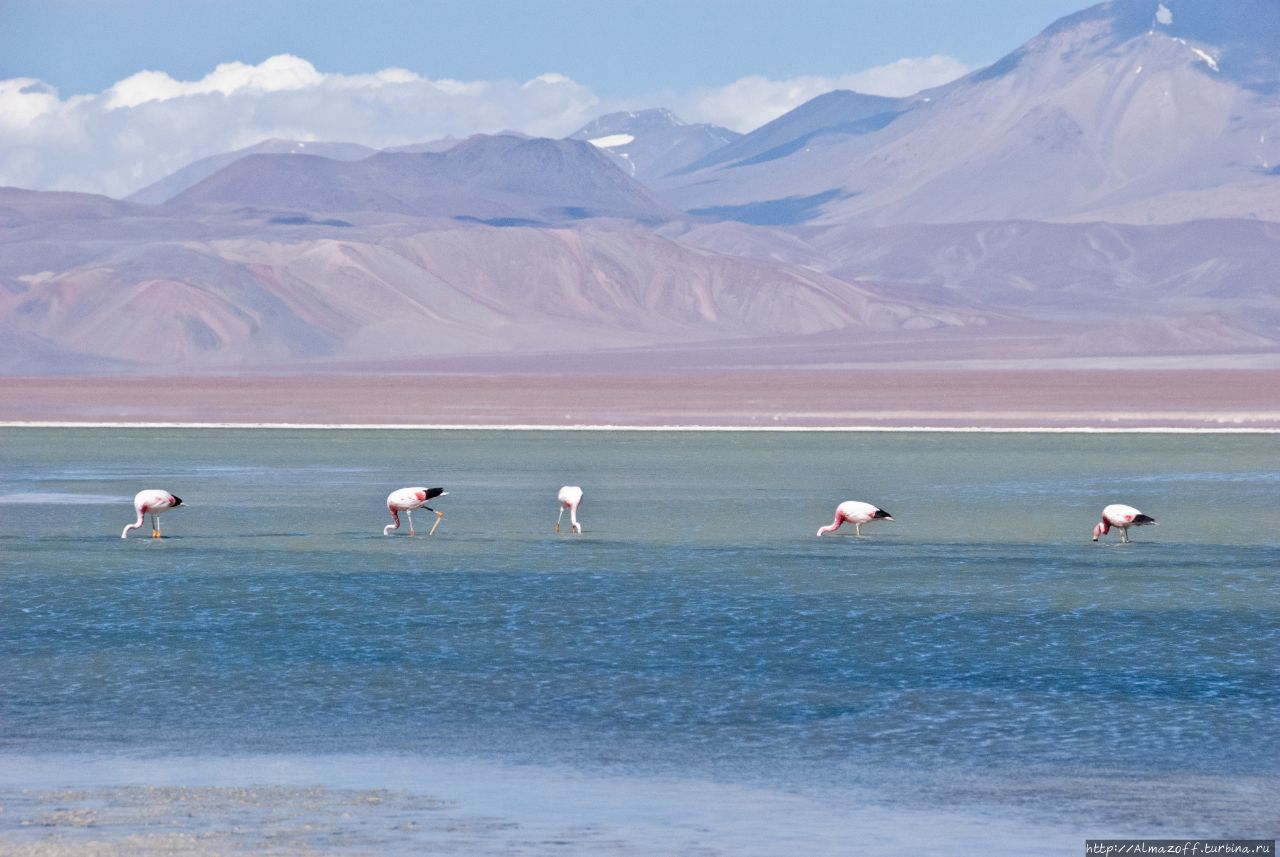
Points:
(406, 500)
(570, 498)
(151, 502)
(857, 513)
(1123, 517)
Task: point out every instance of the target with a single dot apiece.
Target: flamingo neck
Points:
(834, 525)
(124, 534)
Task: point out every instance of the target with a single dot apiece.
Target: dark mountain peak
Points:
(652, 120)
(512, 156)
(654, 142)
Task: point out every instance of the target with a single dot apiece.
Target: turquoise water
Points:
(977, 654)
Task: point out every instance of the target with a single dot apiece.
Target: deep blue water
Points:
(697, 627)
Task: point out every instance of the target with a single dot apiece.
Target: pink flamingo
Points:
(406, 500)
(856, 513)
(1123, 517)
(151, 502)
(570, 498)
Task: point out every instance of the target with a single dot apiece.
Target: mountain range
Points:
(1108, 190)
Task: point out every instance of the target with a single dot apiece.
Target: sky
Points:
(106, 96)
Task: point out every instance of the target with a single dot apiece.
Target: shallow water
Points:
(978, 655)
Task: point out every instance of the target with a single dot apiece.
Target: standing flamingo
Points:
(151, 502)
(406, 500)
(856, 513)
(1123, 517)
(570, 498)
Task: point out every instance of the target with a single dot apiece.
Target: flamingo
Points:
(856, 513)
(570, 498)
(1121, 516)
(151, 502)
(406, 500)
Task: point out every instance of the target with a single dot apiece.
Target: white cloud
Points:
(750, 102)
(149, 124)
(278, 74)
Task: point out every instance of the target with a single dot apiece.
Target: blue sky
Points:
(619, 49)
(107, 96)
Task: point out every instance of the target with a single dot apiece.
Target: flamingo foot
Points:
(557, 528)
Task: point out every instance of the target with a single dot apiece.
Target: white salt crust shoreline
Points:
(649, 428)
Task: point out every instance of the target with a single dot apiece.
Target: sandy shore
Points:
(784, 398)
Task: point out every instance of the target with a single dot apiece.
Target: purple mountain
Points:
(1136, 111)
(172, 185)
(503, 180)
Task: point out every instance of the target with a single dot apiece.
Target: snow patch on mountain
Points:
(612, 141)
(1208, 58)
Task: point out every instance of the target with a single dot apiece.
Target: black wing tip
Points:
(1143, 519)
(177, 501)
(881, 513)
(434, 492)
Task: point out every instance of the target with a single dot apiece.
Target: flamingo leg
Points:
(1124, 536)
(439, 516)
(155, 527)
(409, 514)
(857, 530)
(558, 517)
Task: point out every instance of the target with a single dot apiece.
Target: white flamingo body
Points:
(1123, 517)
(406, 500)
(153, 502)
(570, 497)
(857, 513)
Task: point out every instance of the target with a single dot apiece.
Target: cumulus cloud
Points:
(149, 124)
(750, 102)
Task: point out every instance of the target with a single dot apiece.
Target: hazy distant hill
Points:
(172, 185)
(504, 180)
(653, 143)
(20, 207)
(443, 144)
(257, 295)
(1132, 111)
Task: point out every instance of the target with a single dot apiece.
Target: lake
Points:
(695, 673)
